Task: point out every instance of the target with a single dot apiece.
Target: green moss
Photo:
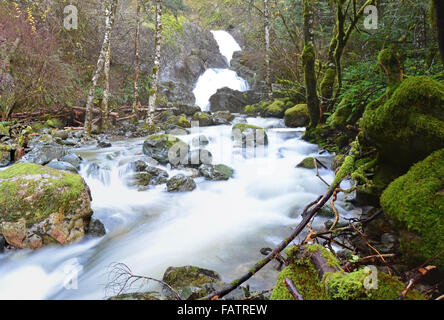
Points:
(305, 279)
(350, 286)
(416, 200)
(297, 116)
(244, 126)
(4, 130)
(54, 191)
(410, 124)
(183, 122)
(331, 260)
(54, 123)
(345, 170)
(328, 82)
(171, 140)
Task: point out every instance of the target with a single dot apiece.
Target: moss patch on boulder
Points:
(297, 116)
(410, 124)
(416, 200)
(41, 205)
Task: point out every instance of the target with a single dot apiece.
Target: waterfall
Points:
(214, 79)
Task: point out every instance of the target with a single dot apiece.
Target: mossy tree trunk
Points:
(110, 12)
(439, 9)
(341, 35)
(309, 60)
(137, 61)
(156, 68)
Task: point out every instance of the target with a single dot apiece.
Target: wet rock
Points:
(5, 158)
(198, 157)
(200, 141)
(42, 206)
(307, 163)
(216, 173)
(234, 101)
(185, 109)
(297, 116)
(203, 118)
(222, 117)
(181, 183)
(3, 244)
(158, 147)
(193, 283)
(73, 159)
(96, 228)
(147, 175)
(104, 144)
(62, 134)
(247, 135)
(44, 153)
(61, 165)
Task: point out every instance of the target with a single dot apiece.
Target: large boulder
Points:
(416, 201)
(44, 153)
(227, 99)
(409, 126)
(297, 116)
(166, 148)
(42, 206)
(203, 118)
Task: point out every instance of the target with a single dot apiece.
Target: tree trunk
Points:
(110, 11)
(267, 50)
(309, 59)
(105, 101)
(156, 68)
(439, 8)
(137, 61)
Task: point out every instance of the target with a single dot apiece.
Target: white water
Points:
(220, 225)
(214, 79)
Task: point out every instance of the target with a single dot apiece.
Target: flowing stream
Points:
(219, 226)
(214, 79)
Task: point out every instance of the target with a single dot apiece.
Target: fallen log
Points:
(309, 212)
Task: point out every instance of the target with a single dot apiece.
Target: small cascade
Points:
(214, 79)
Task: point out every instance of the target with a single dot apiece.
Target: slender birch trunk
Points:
(105, 102)
(156, 68)
(137, 61)
(267, 50)
(110, 11)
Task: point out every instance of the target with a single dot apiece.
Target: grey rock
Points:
(60, 165)
(181, 183)
(44, 153)
(217, 172)
(96, 228)
(73, 159)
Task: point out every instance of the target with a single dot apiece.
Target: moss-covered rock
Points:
(203, 118)
(181, 183)
(410, 124)
(244, 134)
(41, 206)
(297, 116)
(307, 163)
(391, 65)
(4, 130)
(54, 123)
(183, 122)
(276, 109)
(158, 147)
(416, 200)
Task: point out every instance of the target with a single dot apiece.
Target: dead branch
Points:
(418, 276)
(292, 288)
(310, 212)
(121, 279)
